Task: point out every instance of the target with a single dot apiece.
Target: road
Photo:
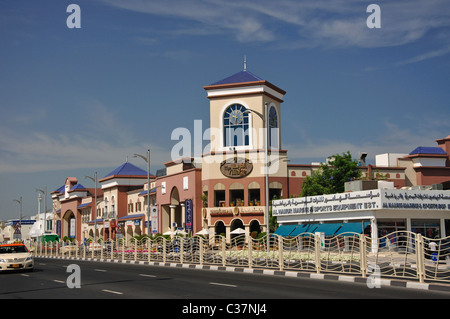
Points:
(118, 280)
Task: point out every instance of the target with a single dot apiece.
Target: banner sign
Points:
(154, 218)
(189, 214)
(375, 199)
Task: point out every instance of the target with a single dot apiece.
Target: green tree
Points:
(330, 178)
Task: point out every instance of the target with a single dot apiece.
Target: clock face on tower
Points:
(236, 116)
(235, 126)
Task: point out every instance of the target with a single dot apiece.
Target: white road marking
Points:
(113, 292)
(101, 270)
(220, 284)
(59, 281)
(145, 275)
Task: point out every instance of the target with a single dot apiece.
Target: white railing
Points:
(400, 254)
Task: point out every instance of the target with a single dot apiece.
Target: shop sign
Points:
(154, 218)
(189, 214)
(364, 200)
(236, 167)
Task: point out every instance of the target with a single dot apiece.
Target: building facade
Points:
(225, 187)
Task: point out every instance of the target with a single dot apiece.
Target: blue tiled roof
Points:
(60, 190)
(77, 186)
(127, 169)
(240, 77)
(428, 150)
(146, 191)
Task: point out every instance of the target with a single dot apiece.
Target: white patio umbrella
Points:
(176, 232)
(238, 231)
(205, 232)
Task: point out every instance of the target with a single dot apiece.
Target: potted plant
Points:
(204, 199)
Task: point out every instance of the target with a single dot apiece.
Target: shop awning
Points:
(303, 228)
(285, 230)
(328, 229)
(349, 229)
(130, 217)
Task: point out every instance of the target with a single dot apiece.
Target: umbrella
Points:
(176, 232)
(238, 231)
(205, 232)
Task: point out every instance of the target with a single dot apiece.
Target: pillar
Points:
(172, 216)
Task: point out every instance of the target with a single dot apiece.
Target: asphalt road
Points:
(107, 280)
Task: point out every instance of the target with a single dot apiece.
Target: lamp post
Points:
(265, 119)
(44, 192)
(94, 179)
(20, 212)
(147, 159)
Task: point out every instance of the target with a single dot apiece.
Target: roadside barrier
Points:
(398, 255)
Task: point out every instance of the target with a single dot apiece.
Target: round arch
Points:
(174, 196)
(255, 226)
(69, 224)
(220, 228)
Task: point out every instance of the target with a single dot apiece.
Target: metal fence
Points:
(399, 254)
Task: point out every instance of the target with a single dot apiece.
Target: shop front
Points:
(386, 210)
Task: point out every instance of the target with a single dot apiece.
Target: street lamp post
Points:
(20, 212)
(94, 179)
(265, 119)
(44, 192)
(147, 159)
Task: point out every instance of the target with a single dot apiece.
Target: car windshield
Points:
(13, 249)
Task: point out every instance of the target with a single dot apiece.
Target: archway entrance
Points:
(69, 225)
(255, 227)
(176, 219)
(220, 228)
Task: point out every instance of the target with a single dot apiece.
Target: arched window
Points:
(235, 126)
(273, 128)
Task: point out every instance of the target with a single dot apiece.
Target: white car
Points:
(15, 257)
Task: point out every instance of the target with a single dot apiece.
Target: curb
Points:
(381, 282)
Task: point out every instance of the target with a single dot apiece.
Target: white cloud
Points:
(425, 56)
(305, 23)
(101, 140)
(391, 139)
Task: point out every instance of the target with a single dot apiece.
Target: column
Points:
(172, 216)
(442, 228)
(183, 216)
(374, 235)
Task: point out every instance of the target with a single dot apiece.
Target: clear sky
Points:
(78, 100)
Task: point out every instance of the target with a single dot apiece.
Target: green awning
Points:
(349, 229)
(304, 228)
(328, 229)
(285, 230)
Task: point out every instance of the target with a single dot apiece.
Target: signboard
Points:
(236, 167)
(189, 214)
(72, 228)
(377, 199)
(154, 218)
(17, 232)
(119, 231)
(58, 228)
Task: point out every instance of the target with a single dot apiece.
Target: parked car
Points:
(94, 247)
(69, 247)
(15, 257)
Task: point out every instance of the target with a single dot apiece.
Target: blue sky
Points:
(76, 101)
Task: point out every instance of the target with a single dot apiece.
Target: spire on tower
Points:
(245, 63)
